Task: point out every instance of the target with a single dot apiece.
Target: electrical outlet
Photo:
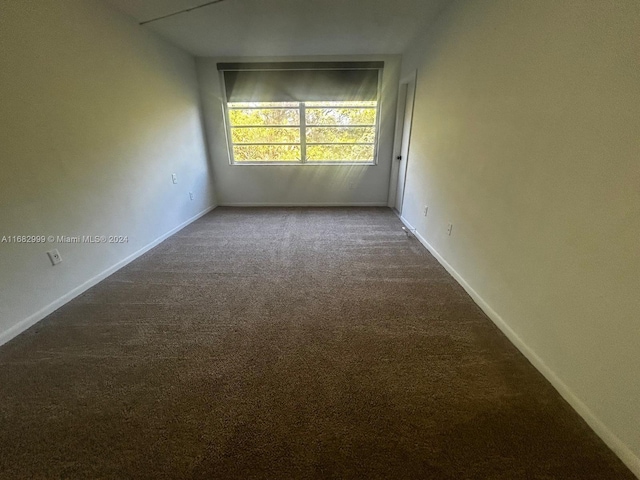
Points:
(191, 195)
(174, 178)
(426, 210)
(450, 229)
(55, 257)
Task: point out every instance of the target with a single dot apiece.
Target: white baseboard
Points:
(303, 204)
(31, 320)
(623, 452)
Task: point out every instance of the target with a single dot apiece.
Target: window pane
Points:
(341, 135)
(266, 153)
(265, 135)
(265, 116)
(341, 116)
(340, 153)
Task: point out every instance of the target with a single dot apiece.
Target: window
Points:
(302, 113)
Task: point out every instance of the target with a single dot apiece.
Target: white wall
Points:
(527, 138)
(96, 114)
(298, 184)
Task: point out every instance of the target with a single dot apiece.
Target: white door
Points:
(403, 156)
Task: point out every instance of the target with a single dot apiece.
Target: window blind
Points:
(301, 81)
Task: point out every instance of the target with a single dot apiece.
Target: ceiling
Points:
(287, 27)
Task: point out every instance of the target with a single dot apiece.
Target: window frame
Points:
(302, 109)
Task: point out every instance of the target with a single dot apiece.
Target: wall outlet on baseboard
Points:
(174, 178)
(450, 229)
(54, 256)
(426, 210)
(191, 195)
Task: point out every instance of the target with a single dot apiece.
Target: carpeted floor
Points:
(284, 344)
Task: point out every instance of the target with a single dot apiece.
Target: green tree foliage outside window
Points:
(326, 132)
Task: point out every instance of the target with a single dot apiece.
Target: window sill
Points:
(301, 164)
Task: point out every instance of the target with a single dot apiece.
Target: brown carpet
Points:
(284, 344)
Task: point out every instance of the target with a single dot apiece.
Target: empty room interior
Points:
(280, 239)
